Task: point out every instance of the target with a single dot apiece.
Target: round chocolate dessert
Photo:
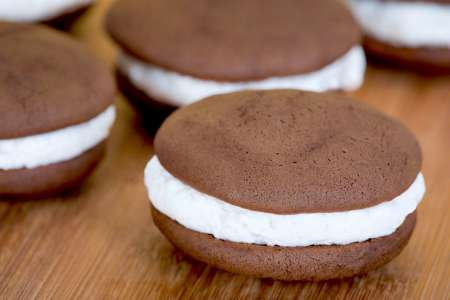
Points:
(408, 33)
(175, 53)
(285, 184)
(56, 107)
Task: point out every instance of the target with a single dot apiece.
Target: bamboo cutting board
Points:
(99, 242)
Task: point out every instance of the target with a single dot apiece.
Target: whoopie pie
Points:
(60, 13)
(410, 33)
(56, 108)
(174, 53)
(285, 184)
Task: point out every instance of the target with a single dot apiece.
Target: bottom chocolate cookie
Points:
(50, 179)
(152, 112)
(426, 60)
(287, 263)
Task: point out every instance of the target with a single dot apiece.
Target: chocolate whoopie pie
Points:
(285, 184)
(56, 108)
(175, 53)
(58, 13)
(409, 33)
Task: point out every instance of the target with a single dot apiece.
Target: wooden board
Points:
(99, 242)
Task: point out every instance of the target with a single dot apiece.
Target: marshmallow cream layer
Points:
(410, 24)
(173, 88)
(37, 10)
(55, 146)
(203, 213)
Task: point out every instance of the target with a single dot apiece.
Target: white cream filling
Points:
(411, 24)
(173, 88)
(37, 10)
(203, 213)
(55, 146)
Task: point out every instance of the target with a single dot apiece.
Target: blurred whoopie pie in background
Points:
(285, 184)
(410, 33)
(56, 110)
(58, 13)
(174, 53)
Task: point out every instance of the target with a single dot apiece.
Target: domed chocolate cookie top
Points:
(47, 81)
(286, 151)
(234, 40)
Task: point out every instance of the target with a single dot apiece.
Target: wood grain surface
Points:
(99, 242)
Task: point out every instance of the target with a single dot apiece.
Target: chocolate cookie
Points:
(318, 185)
(178, 53)
(348, 149)
(407, 33)
(295, 263)
(425, 60)
(50, 179)
(56, 107)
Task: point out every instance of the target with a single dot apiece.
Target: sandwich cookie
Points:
(175, 53)
(415, 34)
(60, 13)
(56, 107)
(285, 184)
